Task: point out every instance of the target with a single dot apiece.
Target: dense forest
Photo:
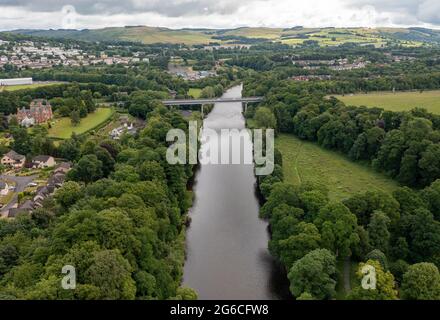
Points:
(119, 219)
(398, 234)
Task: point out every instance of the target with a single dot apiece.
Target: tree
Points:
(184, 293)
(151, 170)
(378, 231)
(421, 282)
(265, 119)
(281, 193)
(88, 169)
(422, 234)
(431, 195)
(22, 141)
(391, 152)
(305, 240)
(315, 274)
(338, 227)
(385, 285)
(68, 194)
(379, 256)
(430, 164)
(75, 118)
(111, 273)
(312, 202)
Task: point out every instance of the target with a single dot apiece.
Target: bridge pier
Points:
(245, 104)
(201, 111)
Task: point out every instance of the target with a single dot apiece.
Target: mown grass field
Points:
(26, 86)
(63, 129)
(306, 161)
(399, 101)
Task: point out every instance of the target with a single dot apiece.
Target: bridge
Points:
(202, 102)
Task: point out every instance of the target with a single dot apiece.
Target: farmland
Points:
(306, 161)
(63, 129)
(400, 101)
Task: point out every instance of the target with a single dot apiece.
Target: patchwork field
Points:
(306, 161)
(63, 129)
(295, 35)
(399, 101)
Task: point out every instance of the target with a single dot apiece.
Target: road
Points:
(210, 101)
(20, 184)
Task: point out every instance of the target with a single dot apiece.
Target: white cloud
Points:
(223, 13)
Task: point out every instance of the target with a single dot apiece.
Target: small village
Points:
(28, 182)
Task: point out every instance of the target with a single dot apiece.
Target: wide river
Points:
(227, 254)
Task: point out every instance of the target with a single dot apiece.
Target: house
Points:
(56, 180)
(116, 134)
(26, 207)
(4, 188)
(13, 159)
(41, 162)
(63, 168)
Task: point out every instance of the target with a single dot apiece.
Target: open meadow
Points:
(399, 101)
(26, 86)
(63, 128)
(307, 161)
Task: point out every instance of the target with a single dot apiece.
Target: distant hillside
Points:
(295, 35)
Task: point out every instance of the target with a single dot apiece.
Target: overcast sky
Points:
(81, 14)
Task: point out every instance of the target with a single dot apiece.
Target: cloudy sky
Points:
(80, 14)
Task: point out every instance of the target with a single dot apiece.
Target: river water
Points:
(227, 255)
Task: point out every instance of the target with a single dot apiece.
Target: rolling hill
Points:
(295, 35)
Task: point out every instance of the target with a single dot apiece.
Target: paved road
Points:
(177, 102)
(20, 184)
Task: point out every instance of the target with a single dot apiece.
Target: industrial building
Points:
(15, 82)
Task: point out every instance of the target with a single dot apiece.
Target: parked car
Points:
(32, 184)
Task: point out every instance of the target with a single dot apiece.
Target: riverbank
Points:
(227, 253)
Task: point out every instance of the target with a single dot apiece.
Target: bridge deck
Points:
(210, 101)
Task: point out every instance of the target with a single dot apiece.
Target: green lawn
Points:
(306, 161)
(26, 86)
(63, 129)
(399, 101)
(195, 92)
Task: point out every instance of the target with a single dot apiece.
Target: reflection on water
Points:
(227, 255)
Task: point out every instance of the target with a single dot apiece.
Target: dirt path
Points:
(347, 271)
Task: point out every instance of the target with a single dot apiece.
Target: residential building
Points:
(41, 162)
(40, 111)
(13, 159)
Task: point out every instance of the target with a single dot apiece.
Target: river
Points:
(227, 254)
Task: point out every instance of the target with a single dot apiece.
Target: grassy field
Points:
(195, 92)
(399, 101)
(26, 86)
(306, 161)
(324, 36)
(63, 129)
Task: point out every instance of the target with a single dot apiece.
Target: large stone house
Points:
(40, 111)
(13, 159)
